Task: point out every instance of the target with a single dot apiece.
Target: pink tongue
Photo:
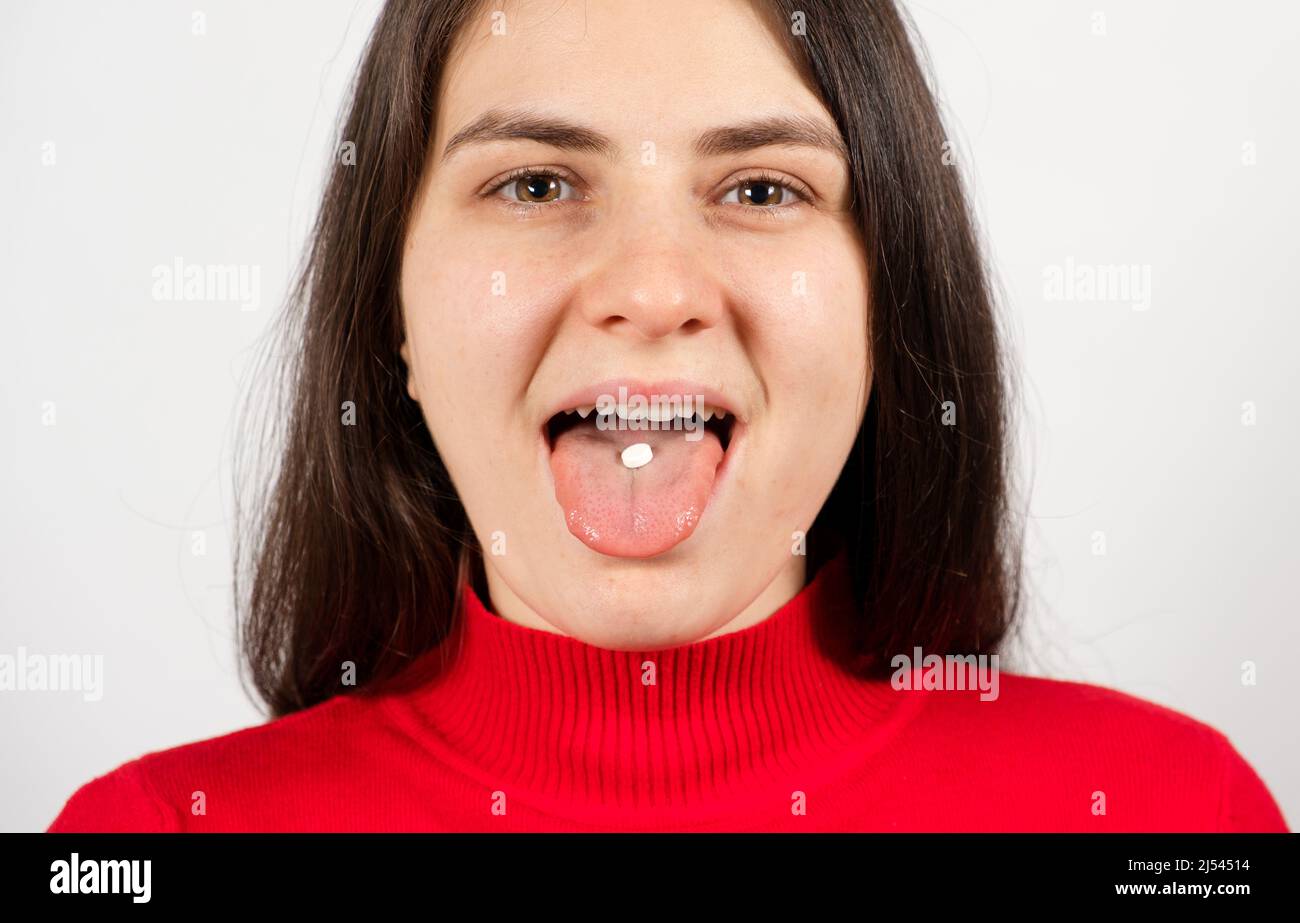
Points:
(633, 512)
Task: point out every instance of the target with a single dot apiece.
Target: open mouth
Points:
(713, 420)
(634, 478)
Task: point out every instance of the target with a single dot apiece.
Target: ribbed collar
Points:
(731, 724)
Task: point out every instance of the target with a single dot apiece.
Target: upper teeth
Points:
(660, 413)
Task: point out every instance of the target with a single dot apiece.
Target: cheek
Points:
(809, 342)
(478, 318)
(809, 320)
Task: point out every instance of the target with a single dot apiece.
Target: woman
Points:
(645, 464)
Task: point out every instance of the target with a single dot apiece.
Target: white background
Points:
(1124, 147)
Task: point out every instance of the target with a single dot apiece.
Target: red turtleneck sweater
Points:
(518, 729)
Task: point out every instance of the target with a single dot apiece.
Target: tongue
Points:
(633, 512)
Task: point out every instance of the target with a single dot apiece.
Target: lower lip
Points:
(738, 432)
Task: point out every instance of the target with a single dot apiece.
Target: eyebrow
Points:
(789, 130)
(507, 124)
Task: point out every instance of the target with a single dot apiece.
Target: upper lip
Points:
(676, 387)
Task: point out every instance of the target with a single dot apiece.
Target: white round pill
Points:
(637, 454)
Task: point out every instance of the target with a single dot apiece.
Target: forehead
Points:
(656, 70)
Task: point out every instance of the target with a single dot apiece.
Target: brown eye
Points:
(537, 188)
(534, 187)
(762, 192)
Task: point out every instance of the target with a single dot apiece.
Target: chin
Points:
(643, 611)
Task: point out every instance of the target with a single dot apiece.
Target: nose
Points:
(652, 280)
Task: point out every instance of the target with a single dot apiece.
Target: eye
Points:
(533, 186)
(766, 191)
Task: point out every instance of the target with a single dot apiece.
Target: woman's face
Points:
(681, 227)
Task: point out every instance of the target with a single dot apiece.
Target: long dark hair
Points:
(357, 545)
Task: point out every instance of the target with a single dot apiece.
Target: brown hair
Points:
(358, 544)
